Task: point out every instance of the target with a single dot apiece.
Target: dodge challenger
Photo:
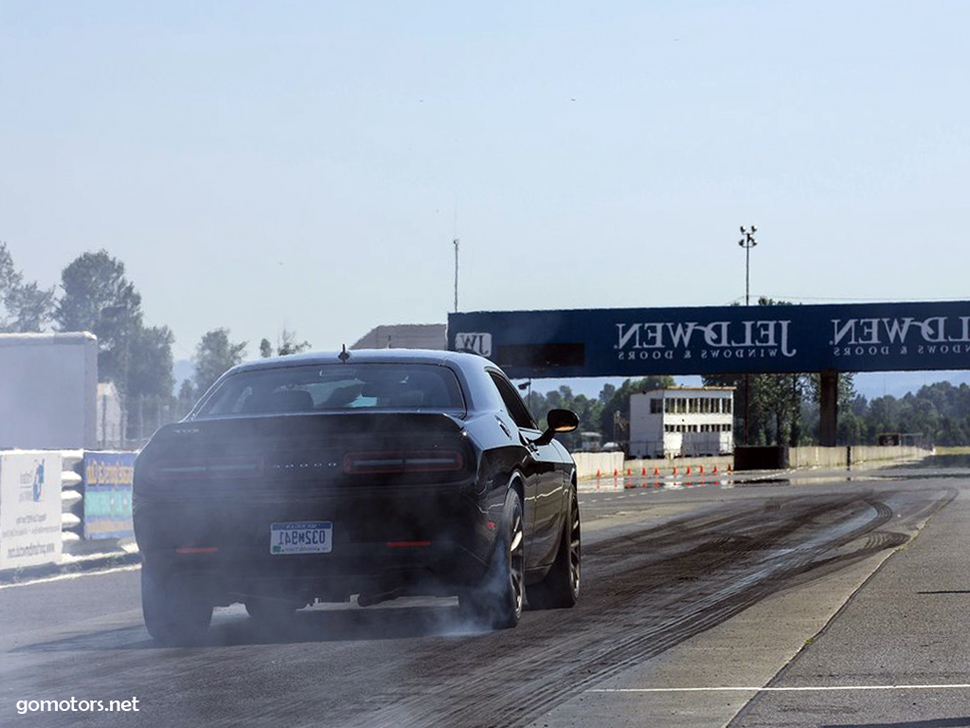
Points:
(368, 474)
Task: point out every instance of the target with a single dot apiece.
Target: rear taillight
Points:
(215, 468)
(411, 461)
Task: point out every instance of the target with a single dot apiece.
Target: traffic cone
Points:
(702, 469)
(656, 471)
(715, 468)
(688, 469)
(598, 473)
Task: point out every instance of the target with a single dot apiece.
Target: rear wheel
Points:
(174, 613)
(497, 602)
(560, 587)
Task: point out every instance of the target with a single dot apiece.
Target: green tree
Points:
(100, 299)
(149, 380)
(286, 345)
(185, 399)
(214, 355)
(26, 306)
(614, 416)
(781, 409)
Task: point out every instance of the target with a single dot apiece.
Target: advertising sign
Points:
(107, 494)
(30, 509)
(719, 340)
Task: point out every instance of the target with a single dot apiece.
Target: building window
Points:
(727, 405)
(656, 406)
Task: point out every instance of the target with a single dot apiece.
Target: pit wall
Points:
(839, 457)
(589, 464)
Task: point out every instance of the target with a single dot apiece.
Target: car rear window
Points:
(329, 387)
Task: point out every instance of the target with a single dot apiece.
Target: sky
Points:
(306, 165)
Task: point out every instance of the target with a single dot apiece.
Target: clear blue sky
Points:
(307, 164)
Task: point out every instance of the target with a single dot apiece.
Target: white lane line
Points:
(811, 688)
(66, 577)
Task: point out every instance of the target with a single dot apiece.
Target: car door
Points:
(544, 481)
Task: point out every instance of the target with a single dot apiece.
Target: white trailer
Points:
(48, 391)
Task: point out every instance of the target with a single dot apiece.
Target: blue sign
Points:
(107, 494)
(719, 340)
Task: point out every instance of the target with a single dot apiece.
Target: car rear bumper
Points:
(421, 542)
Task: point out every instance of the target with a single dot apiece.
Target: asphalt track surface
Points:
(695, 599)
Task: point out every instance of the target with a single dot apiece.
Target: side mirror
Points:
(558, 420)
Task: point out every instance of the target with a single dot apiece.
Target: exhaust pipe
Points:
(367, 600)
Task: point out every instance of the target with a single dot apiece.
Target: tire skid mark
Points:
(666, 585)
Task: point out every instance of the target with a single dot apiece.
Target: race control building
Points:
(682, 422)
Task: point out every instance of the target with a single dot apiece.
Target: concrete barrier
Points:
(607, 463)
(841, 457)
(588, 464)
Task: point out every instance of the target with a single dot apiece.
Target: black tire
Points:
(270, 611)
(560, 587)
(498, 601)
(174, 614)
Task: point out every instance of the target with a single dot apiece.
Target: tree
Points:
(614, 416)
(26, 306)
(286, 345)
(781, 409)
(149, 380)
(100, 299)
(214, 355)
(185, 400)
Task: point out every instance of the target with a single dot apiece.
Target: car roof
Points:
(439, 357)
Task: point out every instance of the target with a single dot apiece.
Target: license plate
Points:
(302, 537)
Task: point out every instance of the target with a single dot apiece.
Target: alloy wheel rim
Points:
(575, 566)
(516, 562)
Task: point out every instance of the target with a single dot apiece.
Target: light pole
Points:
(455, 242)
(747, 242)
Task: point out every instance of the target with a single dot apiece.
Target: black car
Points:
(372, 473)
